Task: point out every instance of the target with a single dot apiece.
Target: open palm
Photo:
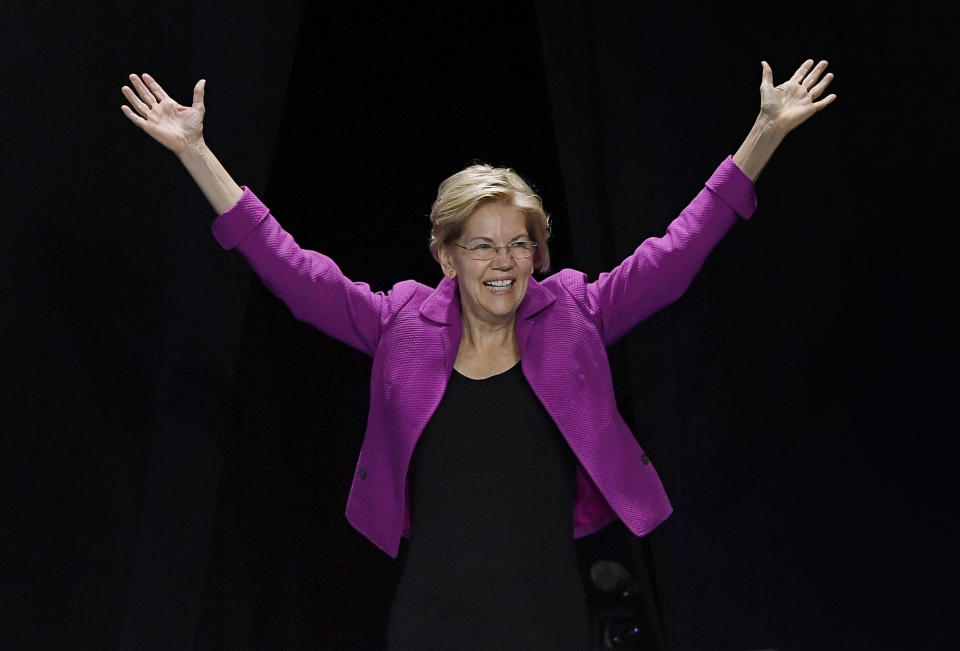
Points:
(793, 102)
(173, 125)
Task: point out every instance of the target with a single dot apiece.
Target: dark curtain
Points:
(122, 318)
(180, 449)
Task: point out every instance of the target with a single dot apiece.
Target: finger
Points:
(136, 119)
(826, 101)
(198, 94)
(814, 75)
(767, 74)
(142, 108)
(154, 87)
(142, 91)
(817, 90)
(802, 71)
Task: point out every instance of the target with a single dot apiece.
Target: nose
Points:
(502, 259)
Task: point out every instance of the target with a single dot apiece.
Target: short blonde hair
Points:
(461, 194)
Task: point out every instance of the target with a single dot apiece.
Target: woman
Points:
(493, 438)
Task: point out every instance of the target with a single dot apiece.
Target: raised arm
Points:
(180, 129)
(308, 282)
(662, 268)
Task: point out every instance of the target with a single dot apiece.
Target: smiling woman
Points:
(490, 290)
(517, 459)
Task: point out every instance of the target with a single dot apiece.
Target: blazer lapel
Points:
(442, 307)
(535, 301)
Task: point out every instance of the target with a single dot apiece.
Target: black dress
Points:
(491, 563)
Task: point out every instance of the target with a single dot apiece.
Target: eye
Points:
(522, 244)
(482, 247)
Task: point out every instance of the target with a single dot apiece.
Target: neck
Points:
(479, 335)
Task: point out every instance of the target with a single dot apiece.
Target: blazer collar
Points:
(443, 304)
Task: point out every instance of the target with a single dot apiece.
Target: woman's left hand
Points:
(795, 100)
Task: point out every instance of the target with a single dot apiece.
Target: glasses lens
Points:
(486, 252)
(521, 249)
(517, 250)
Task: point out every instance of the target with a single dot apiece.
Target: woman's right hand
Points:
(174, 126)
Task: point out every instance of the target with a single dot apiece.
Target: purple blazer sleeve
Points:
(662, 268)
(309, 283)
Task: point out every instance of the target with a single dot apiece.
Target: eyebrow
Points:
(522, 236)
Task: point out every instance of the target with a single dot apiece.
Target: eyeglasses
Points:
(517, 250)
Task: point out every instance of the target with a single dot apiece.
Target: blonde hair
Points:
(461, 194)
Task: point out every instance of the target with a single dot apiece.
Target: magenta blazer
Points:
(564, 325)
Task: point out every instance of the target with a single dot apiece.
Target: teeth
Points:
(498, 283)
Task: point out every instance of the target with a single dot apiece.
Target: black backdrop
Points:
(179, 449)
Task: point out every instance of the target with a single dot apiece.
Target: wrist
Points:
(764, 138)
(769, 129)
(195, 150)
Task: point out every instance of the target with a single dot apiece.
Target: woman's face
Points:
(497, 224)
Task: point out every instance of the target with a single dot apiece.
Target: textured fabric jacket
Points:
(564, 325)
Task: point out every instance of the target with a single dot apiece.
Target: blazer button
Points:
(363, 473)
(645, 459)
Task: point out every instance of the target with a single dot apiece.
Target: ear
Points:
(445, 257)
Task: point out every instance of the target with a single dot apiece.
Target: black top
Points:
(491, 563)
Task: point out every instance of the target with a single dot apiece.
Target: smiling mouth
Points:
(499, 284)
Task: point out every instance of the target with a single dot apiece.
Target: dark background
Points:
(179, 449)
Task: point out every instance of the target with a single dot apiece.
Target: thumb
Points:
(198, 94)
(767, 74)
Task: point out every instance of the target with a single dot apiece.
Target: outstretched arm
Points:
(180, 129)
(308, 282)
(782, 109)
(662, 268)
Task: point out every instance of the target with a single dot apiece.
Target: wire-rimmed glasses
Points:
(485, 251)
